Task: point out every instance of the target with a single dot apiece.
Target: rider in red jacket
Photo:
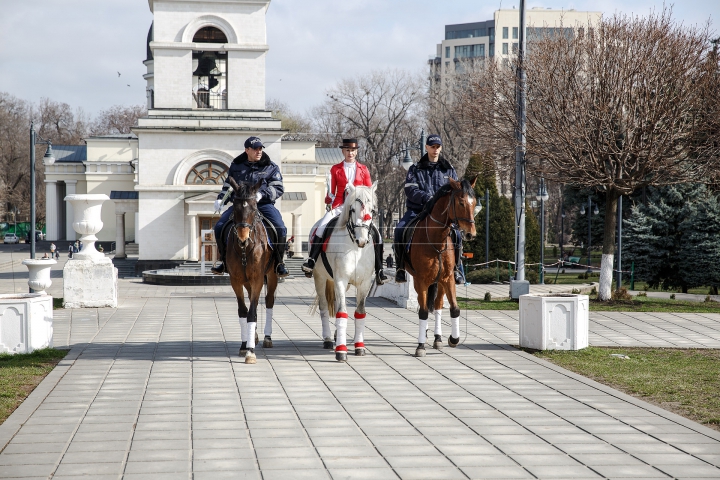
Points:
(340, 175)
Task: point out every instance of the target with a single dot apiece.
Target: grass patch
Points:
(684, 381)
(20, 374)
(637, 304)
(58, 303)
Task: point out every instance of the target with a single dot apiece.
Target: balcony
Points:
(210, 100)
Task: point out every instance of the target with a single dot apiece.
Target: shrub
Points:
(642, 294)
(532, 276)
(708, 299)
(621, 294)
(484, 276)
(575, 291)
(488, 297)
(593, 291)
(672, 296)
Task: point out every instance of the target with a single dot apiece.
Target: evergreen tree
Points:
(532, 236)
(502, 232)
(699, 258)
(654, 240)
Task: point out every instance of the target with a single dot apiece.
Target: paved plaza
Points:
(155, 389)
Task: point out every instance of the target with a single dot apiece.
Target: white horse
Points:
(351, 257)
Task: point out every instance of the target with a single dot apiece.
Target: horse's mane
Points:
(445, 190)
(364, 194)
(244, 192)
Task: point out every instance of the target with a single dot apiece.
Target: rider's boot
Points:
(281, 270)
(400, 268)
(315, 249)
(458, 273)
(380, 277)
(219, 269)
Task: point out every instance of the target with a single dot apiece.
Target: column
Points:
(193, 245)
(297, 233)
(120, 235)
(70, 188)
(51, 211)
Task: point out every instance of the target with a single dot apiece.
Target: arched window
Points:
(208, 172)
(210, 35)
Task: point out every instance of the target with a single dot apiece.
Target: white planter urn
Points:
(39, 270)
(554, 321)
(87, 209)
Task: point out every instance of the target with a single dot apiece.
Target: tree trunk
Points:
(608, 251)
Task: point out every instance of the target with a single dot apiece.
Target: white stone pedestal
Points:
(26, 322)
(403, 294)
(90, 284)
(554, 322)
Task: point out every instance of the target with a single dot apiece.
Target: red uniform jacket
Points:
(338, 182)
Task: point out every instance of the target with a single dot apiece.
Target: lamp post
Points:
(542, 195)
(618, 283)
(521, 90)
(594, 212)
(487, 228)
(562, 226)
(48, 159)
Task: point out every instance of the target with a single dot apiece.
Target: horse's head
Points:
(359, 204)
(462, 206)
(244, 208)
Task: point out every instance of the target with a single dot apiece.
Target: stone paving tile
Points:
(161, 387)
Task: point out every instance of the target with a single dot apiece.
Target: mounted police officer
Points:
(252, 167)
(422, 181)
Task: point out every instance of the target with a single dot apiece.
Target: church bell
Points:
(207, 65)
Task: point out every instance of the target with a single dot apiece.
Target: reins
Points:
(350, 226)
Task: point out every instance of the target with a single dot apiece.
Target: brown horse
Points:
(432, 257)
(249, 260)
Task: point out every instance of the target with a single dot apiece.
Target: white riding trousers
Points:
(335, 212)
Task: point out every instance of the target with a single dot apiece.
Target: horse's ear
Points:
(472, 184)
(257, 186)
(454, 184)
(233, 184)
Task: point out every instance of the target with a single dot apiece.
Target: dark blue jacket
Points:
(424, 179)
(243, 170)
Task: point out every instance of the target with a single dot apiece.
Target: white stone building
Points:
(206, 95)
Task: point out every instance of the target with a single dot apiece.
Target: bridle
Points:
(351, 226)
(454, 220)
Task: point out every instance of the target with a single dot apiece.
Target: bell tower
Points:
(206, 95)
(207, 54)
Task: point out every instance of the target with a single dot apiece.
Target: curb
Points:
(22, 414)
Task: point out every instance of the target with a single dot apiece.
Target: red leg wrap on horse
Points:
(341, 315)
(359, 345)
(341, 348)
(360, 316)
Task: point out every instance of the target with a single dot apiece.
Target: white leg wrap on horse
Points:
(438, 322)
(341, 327)
(359, 330)
(243, 329)
(252, 327)
(325, 318)
(455, 327)
(422, 335)
(268, 321)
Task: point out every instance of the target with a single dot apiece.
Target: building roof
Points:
(115, 195)
(70, 153)
(116, 136)
(328, 156)
(294, 196)
(150, 38)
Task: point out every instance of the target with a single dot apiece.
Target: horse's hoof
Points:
(420, 351)
(267, 343)
(243, 349)
(250, 358)
(453, 342)
(437, 344)
(359, 352)
(341, 356)
(328, 344)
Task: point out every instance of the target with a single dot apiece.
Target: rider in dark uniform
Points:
(423, 180)
(251, 167)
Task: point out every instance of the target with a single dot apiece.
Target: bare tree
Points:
(56, 121)
(298, 126)
(630, 102)
(14, 151)
(382, 110)
(118, 119)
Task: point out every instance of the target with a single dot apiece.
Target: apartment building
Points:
(467, 43)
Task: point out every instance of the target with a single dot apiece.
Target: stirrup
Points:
(219, 269)
(281, 270)
(308, 267)
(380, 277)
(400, 276)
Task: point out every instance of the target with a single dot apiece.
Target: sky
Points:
(73, 50)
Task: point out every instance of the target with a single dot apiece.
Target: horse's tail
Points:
(330, 297)
(431, 296)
